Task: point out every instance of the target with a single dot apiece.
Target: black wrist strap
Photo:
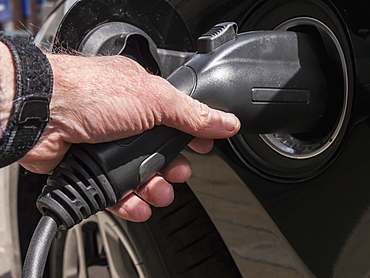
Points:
(30, 114)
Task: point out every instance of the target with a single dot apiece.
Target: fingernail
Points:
(231, 123)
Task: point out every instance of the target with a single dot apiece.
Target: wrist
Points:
(31, 87)
(7, 85)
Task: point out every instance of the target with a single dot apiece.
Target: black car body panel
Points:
(324, 219)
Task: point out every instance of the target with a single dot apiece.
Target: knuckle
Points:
(204, 116)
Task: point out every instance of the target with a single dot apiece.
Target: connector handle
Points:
(272, 81)
(129, 163)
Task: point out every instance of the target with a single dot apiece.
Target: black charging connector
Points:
(93, 177)
(271, 80)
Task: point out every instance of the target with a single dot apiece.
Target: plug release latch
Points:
(217, 36)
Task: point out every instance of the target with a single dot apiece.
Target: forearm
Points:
(7, 85)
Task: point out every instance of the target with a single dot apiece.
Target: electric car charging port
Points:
(316, 141)
(292, 157)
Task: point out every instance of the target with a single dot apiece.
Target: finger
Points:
(157, 191)
(132, 208)
(40, 167)
(201, 145)
(178, 170)
(198, 119)
(45, 156)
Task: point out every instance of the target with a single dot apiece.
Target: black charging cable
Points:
(37, 253)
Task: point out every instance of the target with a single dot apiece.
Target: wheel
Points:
(178, 241)
(98, 247)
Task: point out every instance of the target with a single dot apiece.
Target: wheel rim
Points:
(98, 247)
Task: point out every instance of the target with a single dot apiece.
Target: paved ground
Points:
(9, 249)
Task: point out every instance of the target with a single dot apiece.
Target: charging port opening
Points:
(292, 157)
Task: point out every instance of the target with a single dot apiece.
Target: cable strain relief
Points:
(76, 190)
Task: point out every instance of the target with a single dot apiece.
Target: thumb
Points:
(198, 119)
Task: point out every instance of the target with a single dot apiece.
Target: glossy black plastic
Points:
(271, 80)
(233, 78)
(130, 162)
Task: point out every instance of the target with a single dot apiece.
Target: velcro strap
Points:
(30, 113)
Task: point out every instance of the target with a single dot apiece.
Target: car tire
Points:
(178, 241)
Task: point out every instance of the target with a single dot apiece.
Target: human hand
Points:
(100, 99)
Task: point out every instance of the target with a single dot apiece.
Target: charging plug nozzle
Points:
(271, 80)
